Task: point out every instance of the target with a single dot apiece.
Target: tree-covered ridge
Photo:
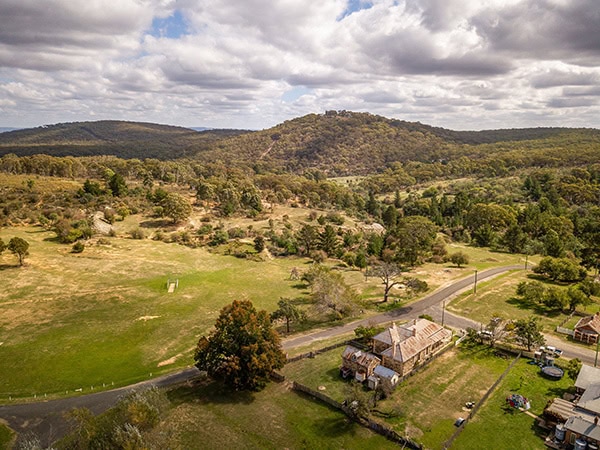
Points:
(110, 137)
(338, 143)
(334, 143)
(349, 143)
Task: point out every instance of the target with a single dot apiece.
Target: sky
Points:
(251, 64)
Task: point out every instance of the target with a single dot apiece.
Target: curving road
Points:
(46, 419)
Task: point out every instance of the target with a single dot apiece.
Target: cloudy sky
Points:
(460, 64)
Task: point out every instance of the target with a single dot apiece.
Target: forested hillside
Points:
(349, 143)
(110, 137)
(337, 143)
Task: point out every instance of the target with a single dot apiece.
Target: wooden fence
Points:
(565, 331)
(321, 350)
(374, 425)
(473, 411)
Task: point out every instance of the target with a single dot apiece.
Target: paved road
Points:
(412, 311)
(46, 421)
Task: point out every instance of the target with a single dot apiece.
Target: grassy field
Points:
(209, 416)
(497, 297)
(70, 321)
(56, 310)
(498, 426)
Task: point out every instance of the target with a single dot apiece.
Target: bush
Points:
(336, 218)
(78, 247)
(138, 233)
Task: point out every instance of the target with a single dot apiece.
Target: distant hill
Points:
(351, 143)
(337, 143)
(111, 137)
(5, 129)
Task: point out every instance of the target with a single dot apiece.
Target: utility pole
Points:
(526, 256)
(597, 343)
(475, 284)
(443, 311)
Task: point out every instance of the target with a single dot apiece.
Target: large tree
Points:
(528, 332)
(176, 206)
(387, 272)
(289, 312)
(331, 295)
(19, 247)
(243, 349)
(412, 239)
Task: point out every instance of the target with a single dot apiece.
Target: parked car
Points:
(485, 334)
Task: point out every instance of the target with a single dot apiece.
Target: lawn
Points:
(209, 416)
(71, 321)
(322, 371)
(435, 397)
(498, 426)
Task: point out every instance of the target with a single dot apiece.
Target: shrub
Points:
(78, 247)
(138, 233)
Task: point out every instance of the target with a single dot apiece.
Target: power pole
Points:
(475, 284)
(443, 311)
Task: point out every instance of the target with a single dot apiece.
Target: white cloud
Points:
(455, 63)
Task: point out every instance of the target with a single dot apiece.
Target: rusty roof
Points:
(592, 322)
(362, 358)
(412, 338)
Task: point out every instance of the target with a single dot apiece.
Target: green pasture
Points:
(76, 321)
(210, 416)
(497, 425)
(73, 323)
(498, 297)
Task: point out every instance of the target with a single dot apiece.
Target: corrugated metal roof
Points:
(561, 408)
(590, 399)
(592, 322)
(588, 375)
(384, 372)
(360, 357)
(583, 427)
(413, 339)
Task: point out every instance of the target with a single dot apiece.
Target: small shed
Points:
(387, 377)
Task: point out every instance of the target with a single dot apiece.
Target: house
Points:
(404, 347)
(588, 329)
(359, 363)
(582, 415)
(588, 376)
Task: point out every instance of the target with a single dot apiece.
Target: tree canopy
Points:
(20, 247)
(243, 349)
(528, 332)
